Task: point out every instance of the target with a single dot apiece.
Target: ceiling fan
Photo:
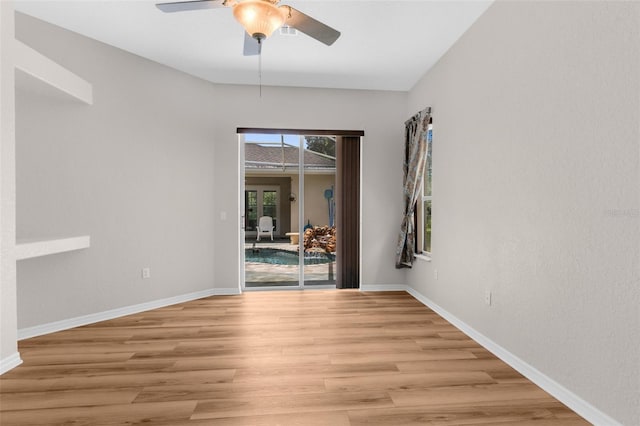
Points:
(260, 18)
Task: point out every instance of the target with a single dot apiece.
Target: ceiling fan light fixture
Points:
(260, 18)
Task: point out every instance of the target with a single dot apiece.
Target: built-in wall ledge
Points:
(44, 69)
(30, 248)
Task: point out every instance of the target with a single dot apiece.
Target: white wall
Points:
(8, 347)
(134, 171)
(379, 114)
(148, 168)
(537, 191)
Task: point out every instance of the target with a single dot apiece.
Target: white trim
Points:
(272, 288)
(44, 69)
(241, 211)
(231, 291)
(562, 394)
(301, 212)
(424, 257)
(291, 288)
(383, 287)
(360, 210)
(314, 287)
(28, 249)
(289, 170)
(52, 327)
(10, 362)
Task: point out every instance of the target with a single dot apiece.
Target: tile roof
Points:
(258, 156)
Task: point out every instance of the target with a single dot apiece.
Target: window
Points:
(423, 210)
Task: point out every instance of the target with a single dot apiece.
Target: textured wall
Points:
(134, 170)
(537, 191)
(7, 186)
(379, 114)
(148, 169)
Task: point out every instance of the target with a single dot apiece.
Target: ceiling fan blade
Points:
(311, 27)
(181, 6)
(251, 45)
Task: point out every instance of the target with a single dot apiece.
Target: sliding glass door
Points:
(289, 209)
(319, 211)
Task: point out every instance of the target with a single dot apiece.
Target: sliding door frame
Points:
(354, 135)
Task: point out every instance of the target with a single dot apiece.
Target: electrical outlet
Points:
(146, 273)
(435, 274)
(487, 297)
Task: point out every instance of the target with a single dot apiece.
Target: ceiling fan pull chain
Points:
(260, 65)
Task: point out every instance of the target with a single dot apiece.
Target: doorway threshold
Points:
(276, 286)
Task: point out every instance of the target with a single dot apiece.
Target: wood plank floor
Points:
(291, 358)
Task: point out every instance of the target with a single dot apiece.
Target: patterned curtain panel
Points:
(414, 162)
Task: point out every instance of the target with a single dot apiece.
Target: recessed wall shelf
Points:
(47, 71)
(50, 74)
(30, 248)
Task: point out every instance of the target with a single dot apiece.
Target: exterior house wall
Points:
(284, 183)
(316, 209)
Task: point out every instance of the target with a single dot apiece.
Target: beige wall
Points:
(536, 185)
(150, 171)
(536, 189)
(316, 209)
(380, 114)
(284, 209)
(8, 318)
(134, 171)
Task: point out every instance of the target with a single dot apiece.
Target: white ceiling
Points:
(385, 45)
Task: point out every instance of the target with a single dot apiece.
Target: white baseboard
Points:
(10, 362)
(226, 291)
(52, 327)
(571, 400)
(383, 287)
(562, 394)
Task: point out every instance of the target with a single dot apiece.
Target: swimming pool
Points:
(285, 257)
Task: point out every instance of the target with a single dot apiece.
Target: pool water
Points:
(285, 257)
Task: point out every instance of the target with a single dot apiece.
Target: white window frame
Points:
(421, 253)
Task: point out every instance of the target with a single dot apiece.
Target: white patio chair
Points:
(265, 227)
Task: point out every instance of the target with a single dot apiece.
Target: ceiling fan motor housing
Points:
(260, 17)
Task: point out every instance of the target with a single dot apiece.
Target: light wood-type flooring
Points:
(290, 358)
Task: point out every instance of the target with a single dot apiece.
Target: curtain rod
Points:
(307, 132)
(427, 109)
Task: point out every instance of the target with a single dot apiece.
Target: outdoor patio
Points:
(258, 274)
